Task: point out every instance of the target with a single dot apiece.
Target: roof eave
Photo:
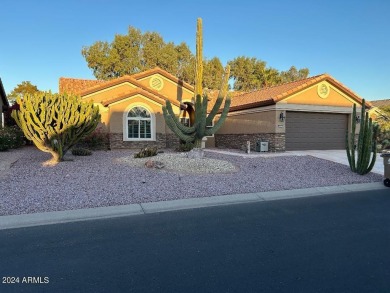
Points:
(3, 96)
(250, 106)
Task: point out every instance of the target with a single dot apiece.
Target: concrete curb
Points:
(38, 219)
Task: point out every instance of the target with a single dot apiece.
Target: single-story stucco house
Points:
(312, 113)
(4, 105)
(375, 112)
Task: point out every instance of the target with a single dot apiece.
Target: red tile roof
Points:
(157, 98)
(85, 87)
(381, 103)
(76, 85)
(272, 95)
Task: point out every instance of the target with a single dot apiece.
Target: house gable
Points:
(165, 84)
(106, 93)
(322, 93)
(320, 90)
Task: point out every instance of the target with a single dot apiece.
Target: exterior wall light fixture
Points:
(357, 118)
(282, 117)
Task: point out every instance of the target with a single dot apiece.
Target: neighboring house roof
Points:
(381, 103)
(272, 95)
(3, 96)
(76, 85)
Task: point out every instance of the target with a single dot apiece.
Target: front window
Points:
(185, 121)
(139, 124)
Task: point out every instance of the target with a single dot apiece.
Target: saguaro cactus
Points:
(55, 123)
(362, 157)
(199, 129)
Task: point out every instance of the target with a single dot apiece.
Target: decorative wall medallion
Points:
(323, 90)
(156, 83)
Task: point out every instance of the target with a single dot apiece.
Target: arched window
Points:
(139, 124)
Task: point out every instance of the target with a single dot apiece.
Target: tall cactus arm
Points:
(347, 143)
(374, 150)
(172, 125)
(199, 58)
(360, 146)
(221, 119)
(366, 150)
(353, 134)
(350, 141)
(168, 111)
(221, 96)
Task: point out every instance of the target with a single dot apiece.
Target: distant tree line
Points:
(137, 51)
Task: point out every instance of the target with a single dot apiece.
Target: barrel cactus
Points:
(54, 122)
(203, 120)
(362, 157)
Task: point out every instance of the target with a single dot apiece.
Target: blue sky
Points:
(42, 40)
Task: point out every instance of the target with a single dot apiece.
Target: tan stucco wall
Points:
(116, 110)
(170, 89)
(110, 93)
(246, 123)
(310, 97)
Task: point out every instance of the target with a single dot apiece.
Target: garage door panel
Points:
(315, 130)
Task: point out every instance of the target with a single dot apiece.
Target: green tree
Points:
(383, 121)
(246, 73)
(185, 63)
(23, 88)
(55, 123)
(136, 52)
(253, 74)
(294, 74)
(213, 73)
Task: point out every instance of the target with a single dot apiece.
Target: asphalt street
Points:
(332, 243)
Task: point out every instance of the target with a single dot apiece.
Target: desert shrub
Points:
(81, 152)
(11, 138)
(185, 147)
(55, 122)
(146, 152)
(97, 140)
(383, 121)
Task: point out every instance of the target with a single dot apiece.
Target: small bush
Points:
(81, 152)
(185, 147)
(97, 140)
(11, 138)
(146, 152)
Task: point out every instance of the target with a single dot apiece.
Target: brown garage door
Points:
(315, 131)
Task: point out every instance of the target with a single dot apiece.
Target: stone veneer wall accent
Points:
(172, 141)
(276, 141)
(162, 141)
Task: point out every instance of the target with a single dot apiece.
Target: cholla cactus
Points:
(55, 123)
(366, 146)
(195, 133)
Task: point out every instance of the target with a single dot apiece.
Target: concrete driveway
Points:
(338, 156)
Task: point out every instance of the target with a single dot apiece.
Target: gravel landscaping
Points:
(116, 178)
